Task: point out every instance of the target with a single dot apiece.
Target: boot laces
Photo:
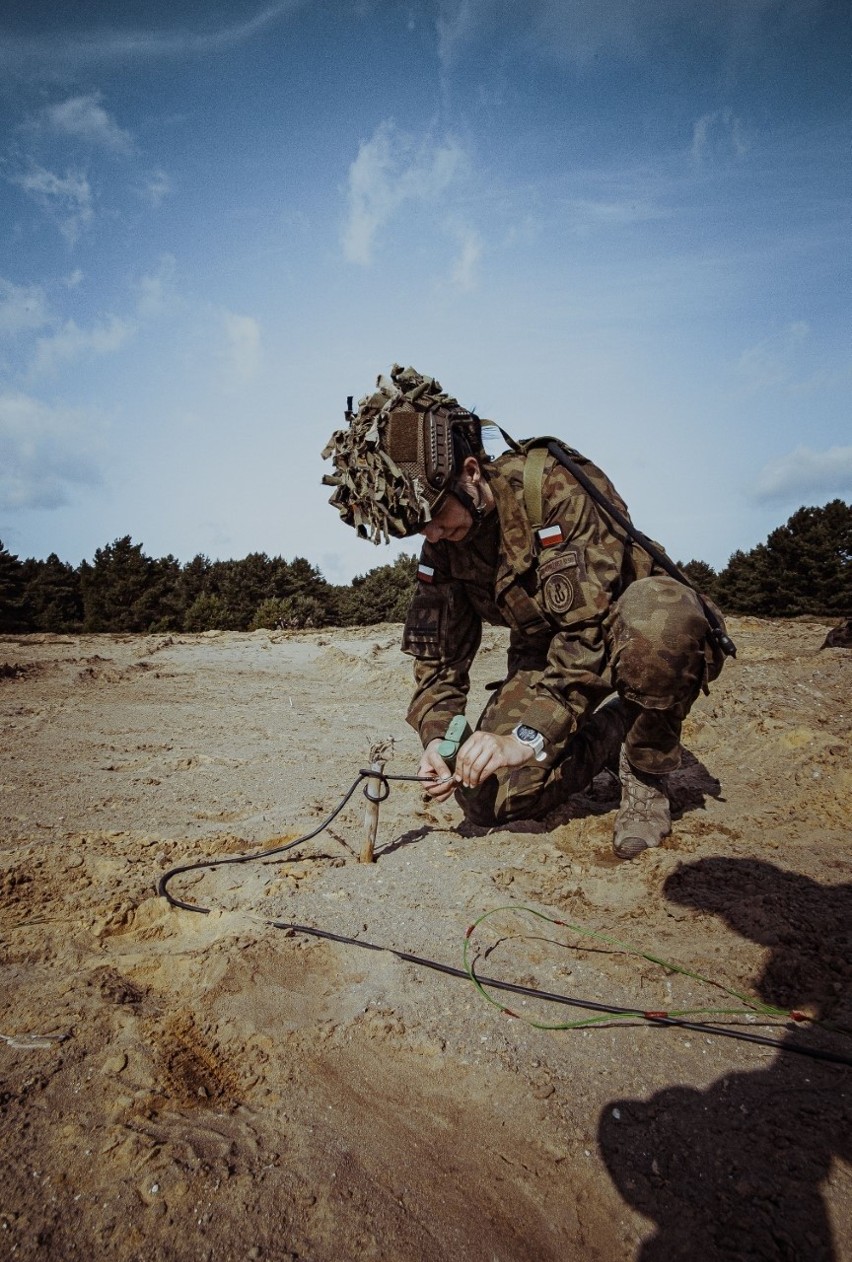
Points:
(642, 794)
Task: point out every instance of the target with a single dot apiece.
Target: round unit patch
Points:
(558, 593)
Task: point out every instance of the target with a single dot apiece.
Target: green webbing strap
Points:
(533, 474)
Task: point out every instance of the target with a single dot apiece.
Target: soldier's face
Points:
(452, 522)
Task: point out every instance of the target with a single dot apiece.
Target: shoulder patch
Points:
(561, 577)
(569, 559)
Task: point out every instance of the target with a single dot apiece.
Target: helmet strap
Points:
(477, 509)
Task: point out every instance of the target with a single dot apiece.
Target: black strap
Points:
(717, 630)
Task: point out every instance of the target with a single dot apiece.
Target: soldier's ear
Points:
(470, 468)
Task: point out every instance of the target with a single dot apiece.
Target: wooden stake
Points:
(373, 793)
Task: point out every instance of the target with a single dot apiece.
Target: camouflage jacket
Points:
(552, 583)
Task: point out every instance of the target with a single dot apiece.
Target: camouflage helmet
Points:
(396, 460)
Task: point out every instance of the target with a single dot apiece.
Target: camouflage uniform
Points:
(588, 615)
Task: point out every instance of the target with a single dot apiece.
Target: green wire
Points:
(751, 1005)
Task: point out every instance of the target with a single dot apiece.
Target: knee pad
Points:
(657, 636)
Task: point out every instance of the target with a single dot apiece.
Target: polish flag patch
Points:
(425, 573)
(549, 536)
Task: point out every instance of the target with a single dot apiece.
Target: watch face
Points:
(527, 734)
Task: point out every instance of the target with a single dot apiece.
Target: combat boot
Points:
(644, 817)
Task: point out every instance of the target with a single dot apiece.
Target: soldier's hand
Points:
(433, 766)
(485, 753)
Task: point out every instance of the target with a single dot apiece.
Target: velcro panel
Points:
(402, 435)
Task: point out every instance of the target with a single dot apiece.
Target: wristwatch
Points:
(535, 740)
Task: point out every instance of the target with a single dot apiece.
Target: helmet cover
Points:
(395, 461)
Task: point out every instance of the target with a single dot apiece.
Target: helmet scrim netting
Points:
(394, 462)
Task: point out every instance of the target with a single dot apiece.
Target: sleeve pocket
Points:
(424, 631)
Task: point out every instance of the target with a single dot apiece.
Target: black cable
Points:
(363, 774)
(448, 969)
(567, 1000)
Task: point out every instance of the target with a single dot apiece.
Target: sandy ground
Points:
(181, 1086)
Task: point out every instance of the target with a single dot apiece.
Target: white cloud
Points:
(588, 213)
(771, 363)
(464, 273)
(22, 307)
(66, 199)
(93, 46)
(157, 188)
(244, 345)
(577, 31)
(45, 453)
(86, 119)
(459, 22)
(71, 343)
(718, 134)
(157, 290)
(580, 30)
(390, 171)
(804, 473)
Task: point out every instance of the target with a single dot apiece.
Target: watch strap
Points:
(536, 744)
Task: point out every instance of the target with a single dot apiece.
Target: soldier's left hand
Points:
(485, 753)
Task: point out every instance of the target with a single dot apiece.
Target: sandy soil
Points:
(181, 1086)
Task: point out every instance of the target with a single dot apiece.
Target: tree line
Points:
(804, 567)
(123, 590)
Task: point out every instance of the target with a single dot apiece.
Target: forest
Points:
(804, 567)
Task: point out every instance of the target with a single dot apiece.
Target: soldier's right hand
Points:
(438, 783)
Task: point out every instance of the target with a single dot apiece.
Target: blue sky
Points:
(626, 224)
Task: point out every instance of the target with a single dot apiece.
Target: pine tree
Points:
(206, 613)
(243, 586)
(382, 595)
(164, 604)
(811, 558)
(805, 567)
(290, 612)
(53, 598)
(195, 578)
(702, 576)
(116, 588)
(12, 612)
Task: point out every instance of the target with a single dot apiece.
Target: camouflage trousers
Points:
(659, 657)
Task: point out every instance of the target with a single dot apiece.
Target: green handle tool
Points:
(456, 735)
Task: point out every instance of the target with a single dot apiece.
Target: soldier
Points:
(607, 651)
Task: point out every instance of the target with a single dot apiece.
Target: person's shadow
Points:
(735, 1172)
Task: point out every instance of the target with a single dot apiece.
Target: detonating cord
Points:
(749, 1005)
(605, 1013)
(253, 856)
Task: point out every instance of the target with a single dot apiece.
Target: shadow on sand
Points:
(735, 1171)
